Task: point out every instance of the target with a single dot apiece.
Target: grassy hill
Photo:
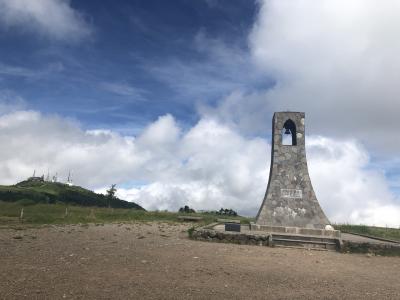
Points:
(37, 191)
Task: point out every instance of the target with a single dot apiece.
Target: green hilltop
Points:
(36, 190)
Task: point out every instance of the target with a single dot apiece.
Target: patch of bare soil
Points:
(158, 261)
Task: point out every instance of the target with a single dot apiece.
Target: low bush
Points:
(26, 202)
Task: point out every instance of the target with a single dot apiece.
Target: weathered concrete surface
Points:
(362, 239)
(290, 199)
(216, 233)
(348, 243)
(296, 230)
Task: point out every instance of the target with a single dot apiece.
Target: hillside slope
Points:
(52, 192)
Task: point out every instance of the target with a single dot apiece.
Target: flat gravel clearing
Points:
(158, 261)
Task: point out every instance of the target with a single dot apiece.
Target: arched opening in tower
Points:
(289, 133)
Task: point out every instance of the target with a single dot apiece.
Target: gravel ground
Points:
(158, 261)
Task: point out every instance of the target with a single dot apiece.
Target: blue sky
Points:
(173, 100)
(122, 75)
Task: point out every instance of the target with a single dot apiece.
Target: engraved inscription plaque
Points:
(291, 193)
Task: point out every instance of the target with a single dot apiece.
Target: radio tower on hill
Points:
(69, 180)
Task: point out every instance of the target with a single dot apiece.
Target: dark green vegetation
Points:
(190, 231)
(381, 232)
(227, 212)
(36, 191)
(60, 213)
(186, 209)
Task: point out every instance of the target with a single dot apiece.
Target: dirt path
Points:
(157, 261)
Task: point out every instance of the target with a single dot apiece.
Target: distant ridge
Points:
(36, 190)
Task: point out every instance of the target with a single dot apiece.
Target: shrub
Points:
(26, 202)
(227, 212)
(186, 209)
(190, 231)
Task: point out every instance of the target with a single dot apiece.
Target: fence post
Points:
(21, 215)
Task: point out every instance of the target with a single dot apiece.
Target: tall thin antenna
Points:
(55, 177)
(34, 173)
(69, 181)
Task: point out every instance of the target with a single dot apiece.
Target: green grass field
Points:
(38, 214)
(60, 213)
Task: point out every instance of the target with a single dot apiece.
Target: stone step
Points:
(306, 242)
(302, 247)
(304, 237)
(190, 218)
(228, 221)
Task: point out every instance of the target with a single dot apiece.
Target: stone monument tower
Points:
(290, 200)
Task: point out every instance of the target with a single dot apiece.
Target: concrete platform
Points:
(362, 239)
(346, 243)
(271, 239)
(295, 230)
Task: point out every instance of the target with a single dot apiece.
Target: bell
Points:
(287, 131)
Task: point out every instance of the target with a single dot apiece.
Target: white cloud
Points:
(123, 89)
(16, 71)
(9, 101)
(60, 145)
(347, 188)
(208, 166)
(7, 70)
(246, 112)
(335, 60)
(55, 19)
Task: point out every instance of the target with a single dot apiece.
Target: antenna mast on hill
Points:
(69, 181)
